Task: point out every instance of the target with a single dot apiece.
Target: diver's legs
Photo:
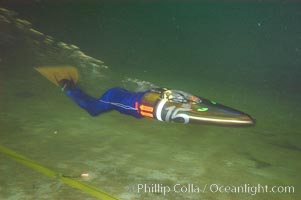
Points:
(91, 105)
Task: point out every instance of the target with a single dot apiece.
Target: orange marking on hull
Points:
(146, 108)
(146, 114)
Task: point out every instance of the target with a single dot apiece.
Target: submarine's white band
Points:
(159, 109)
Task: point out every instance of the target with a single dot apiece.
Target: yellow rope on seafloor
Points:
(52, 174)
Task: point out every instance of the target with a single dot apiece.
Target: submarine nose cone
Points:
(235, 117)
(246, 120)
(219, 114)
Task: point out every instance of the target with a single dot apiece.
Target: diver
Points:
(159, 103)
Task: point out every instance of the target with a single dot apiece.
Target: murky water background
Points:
(247, 56)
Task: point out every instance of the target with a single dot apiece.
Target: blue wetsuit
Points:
(116, 98)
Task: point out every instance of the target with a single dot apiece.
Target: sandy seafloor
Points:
(247, 56)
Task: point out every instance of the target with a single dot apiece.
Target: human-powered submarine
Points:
(181, 107)
(158, 103)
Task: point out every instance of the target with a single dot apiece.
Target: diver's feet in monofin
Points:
(67, 84)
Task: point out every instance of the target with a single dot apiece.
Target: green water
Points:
(244, 55)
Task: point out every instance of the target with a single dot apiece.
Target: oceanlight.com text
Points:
(213, 188)
(250, 189)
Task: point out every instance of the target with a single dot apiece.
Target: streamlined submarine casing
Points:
(182, 107)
